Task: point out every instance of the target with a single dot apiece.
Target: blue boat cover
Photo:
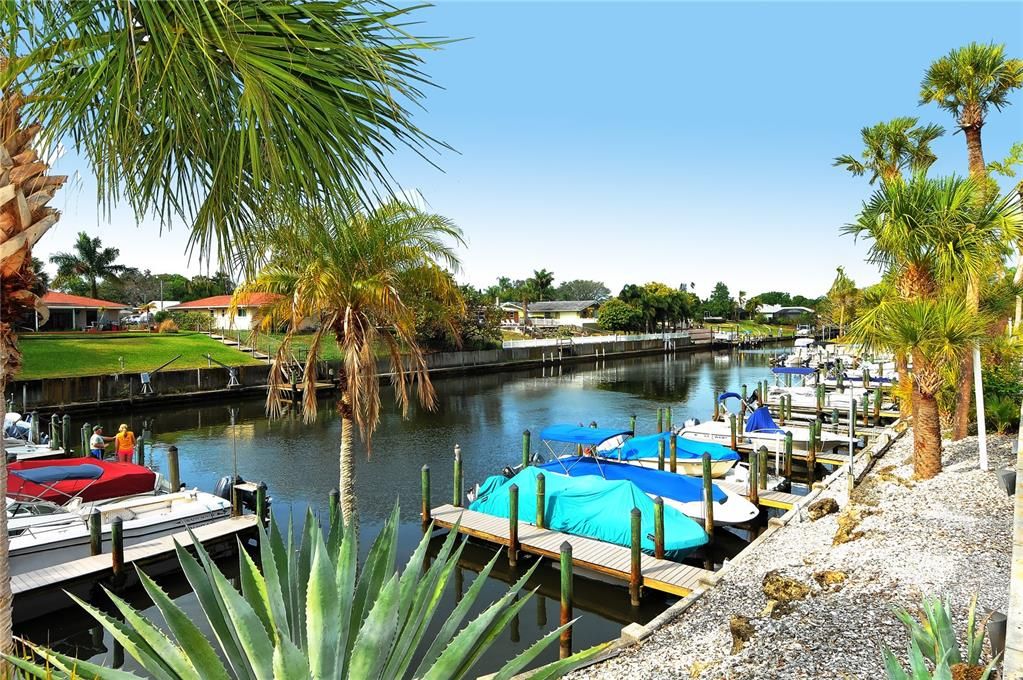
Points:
(59, 473)
(574, 434)
(593, 507)
(793, 370)
(661, 483)
(646, 447)
(761, 421)
(729, 395)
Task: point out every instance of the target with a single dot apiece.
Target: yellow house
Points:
(555, 313)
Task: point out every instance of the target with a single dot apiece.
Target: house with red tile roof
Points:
(219, 308)
(76, 312)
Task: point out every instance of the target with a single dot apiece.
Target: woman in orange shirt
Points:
(125, 444)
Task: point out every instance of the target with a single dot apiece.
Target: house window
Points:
(241, 311)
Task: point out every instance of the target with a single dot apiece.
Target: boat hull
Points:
(691, 467)
(720, 433)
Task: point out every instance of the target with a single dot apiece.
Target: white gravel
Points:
(949, 536)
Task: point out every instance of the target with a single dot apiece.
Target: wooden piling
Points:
(635, 574)
(334, 505)
(717, 407)
(820, 401)
(525, 449)
(457, 493)
(866, 378)
(866, 406)
(632, 423)
(667, 419)
(261, 508)
(424, 486)
(877, 407)
(659, 528)
(173, 469)
(708, 497)
(117, 548)
(835, 417)
(742, 406)
(762, 471)
(660, 454)
(541, 500)
(781, 409)
(754, 485)
(735, 439)
(33, 428)
(811, 452)
(660, 420)
(566, 600)
(673, 459)
(236, 501)
(513, 525)
(140, 450)
(86, 433)
(55, 433)
(788, 454)
(95, 532)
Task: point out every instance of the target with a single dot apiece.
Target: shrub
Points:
(1002, 414)
(161, 316)
(168, 326)
(193, 321)
(933, 639)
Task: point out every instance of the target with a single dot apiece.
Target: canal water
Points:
(484, 414)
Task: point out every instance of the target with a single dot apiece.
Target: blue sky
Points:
(630, 142)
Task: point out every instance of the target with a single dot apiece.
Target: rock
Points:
(821, 507)
(698, 667)
(742, 630)
(829, 577)
(847, 523)
(887, 474)
(783, 588)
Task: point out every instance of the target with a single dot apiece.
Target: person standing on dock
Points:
(124, 444)
(98, 443)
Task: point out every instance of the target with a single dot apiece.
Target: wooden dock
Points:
(780, 500)
(590, 554)
(42, 591)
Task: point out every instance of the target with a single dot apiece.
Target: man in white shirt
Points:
(98, 443)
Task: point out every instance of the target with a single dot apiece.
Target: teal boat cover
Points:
(647, 447)
(593, 507)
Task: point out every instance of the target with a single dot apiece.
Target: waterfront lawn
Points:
(67, 355)
(754, 328)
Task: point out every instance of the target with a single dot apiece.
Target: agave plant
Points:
(311, 613)
(933, 645)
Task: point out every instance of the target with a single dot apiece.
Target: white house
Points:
(557, 313)
(219, 308)
(76, 312)
(783, 312)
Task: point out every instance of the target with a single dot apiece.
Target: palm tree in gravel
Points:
(203, 113)
(967, 82)
(350, 274)
(89, 261)
(893, 147)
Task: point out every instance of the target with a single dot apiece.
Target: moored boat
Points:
(60, 480)
(644, 450)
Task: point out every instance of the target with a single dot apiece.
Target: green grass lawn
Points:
(754, 328)
(66, 355)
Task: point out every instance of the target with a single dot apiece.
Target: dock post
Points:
(54, 433)
(632, 423)
(261, 512)
(708, 498)
(840, 379)
(811, 452)
(820, 400)
(866, 378)
(95, 532)
(754, 484)
(117, 549)
(525, 449)
(566, 600)
(86, 432)
(735, 439)
(513, 525)
(140, 450)
(660, 454)
(788, 380)
(742, 407)
(834, 419)
(659, 528)
(424, 512)
(673, 466)
(457, 502)
(236, 501)
(660, 420)
(866, 406)
(781, 409)
(852, 421)
(173, 469)
(877, 407)
(33, 430)
(667, 419)
(334, 505)
(789, 400)
(636, 573)
(852, 444)
(717, 409)
(64, 433)
(541, 500)
(788, 454)
(762, 471)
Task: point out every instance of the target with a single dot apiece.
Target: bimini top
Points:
(575, 434)
(729, 395)
(793, 370)
(60, 473)
(639, 448)
(761, 421)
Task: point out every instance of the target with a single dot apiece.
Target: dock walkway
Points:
(603, 558)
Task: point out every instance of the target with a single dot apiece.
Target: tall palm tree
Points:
(967, 83)
(541, 284)
(842, 299)
(207, 113)
(350, 273)
(894, 147)
(937, 334)
(89, 261)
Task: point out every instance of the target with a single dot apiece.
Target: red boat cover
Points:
(118, 479)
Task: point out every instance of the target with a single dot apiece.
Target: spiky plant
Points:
(933, 640)
(308, 611)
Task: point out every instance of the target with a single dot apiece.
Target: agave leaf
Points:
(322, 612)
(564, 666)
(254, 590)
(990, 668)
(491, 631)
(172, 659)
(270, 562)
(944, 632)
(310, 530)
(344, 584)
(528, 655)
(71, 668)
(34, 670)
(456, 617)
(893, 667)
(294, 583)
(204, 658)
(378, 567)
(336, 533)
(375, 641)
(917, 633)
(289, 661)
(917, 665)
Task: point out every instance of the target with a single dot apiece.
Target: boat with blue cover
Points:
(688, 454)
(591, 506)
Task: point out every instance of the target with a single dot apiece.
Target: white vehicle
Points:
(803, 331)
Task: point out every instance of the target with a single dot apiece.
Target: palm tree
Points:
(210, 114)
(541, 284)
(938, 334)
(893, 147)
(1007, 168)
(351, 273)
(842, 299)
(90, 261)
(967, 82)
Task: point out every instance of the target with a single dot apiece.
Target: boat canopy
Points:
(793, 370)
(661, 483)
(575, 434)
(647, 447)
(761, 421)
(60, 473)
(593, 507)
(61, 479)
(803, 342)
(729, 395)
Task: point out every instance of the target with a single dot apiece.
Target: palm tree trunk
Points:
(961, 423)
(347, 466)
(902, 369)
(926, 436)
(95, 288)
(1017, 279)
(975, 152)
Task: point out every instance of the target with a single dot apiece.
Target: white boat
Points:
(43, 534)
(734, 509)
(19, 449)
(806, 398)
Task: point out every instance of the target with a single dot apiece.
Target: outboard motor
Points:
(507, 472)
(247, 498)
